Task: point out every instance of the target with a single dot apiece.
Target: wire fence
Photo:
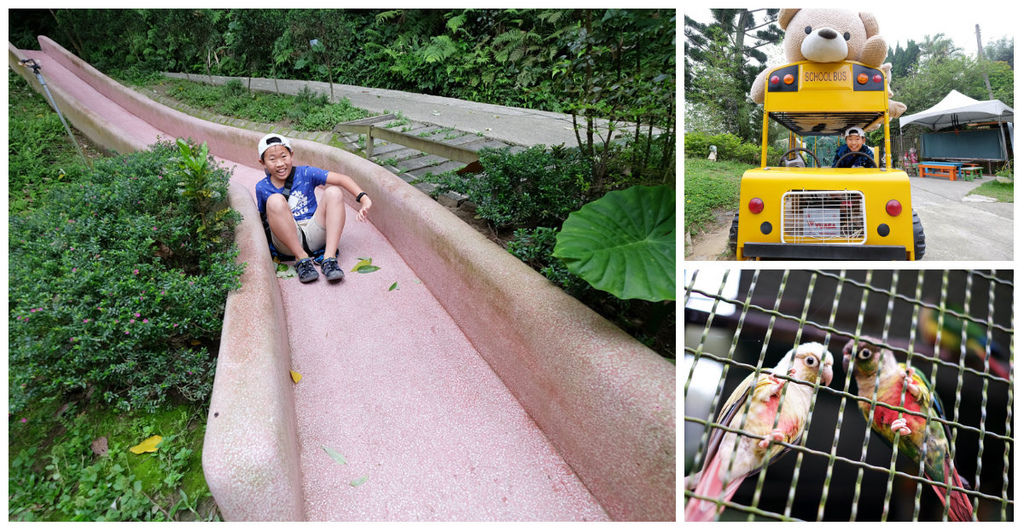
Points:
(955, 328)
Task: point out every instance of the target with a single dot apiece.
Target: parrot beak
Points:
(826, 375)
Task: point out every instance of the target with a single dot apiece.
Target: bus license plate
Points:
(821, 223)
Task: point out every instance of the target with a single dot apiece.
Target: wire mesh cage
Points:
(952, 331)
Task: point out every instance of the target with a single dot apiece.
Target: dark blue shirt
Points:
(854, 161)
(301, 199)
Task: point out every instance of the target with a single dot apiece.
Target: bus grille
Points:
(823, 217)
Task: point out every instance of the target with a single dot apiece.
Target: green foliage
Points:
(504, 56)
(730, 148)
(39, 151)
(534, 247)
(55, 475)
(117, 285)
(620, 66)
(650, 323)
(940, 68)
(994, 189)
(624, 243)
(710, 187)
(527, 189)
(722, 61)
(308, 110)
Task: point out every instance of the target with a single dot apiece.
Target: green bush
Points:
(117, 284)
(534, 187)
(534, 246)
(730, 148)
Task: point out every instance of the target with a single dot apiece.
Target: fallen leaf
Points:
(363, 262)
(334, 454)
(367, 269)
(359, 481)
(394, 286)
(296, 376)
(285, 271)
(149, 445)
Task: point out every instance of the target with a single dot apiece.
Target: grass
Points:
(710, 186)
(307, 111)
(994, 189)
(54, 474)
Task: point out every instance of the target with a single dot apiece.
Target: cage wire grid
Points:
(990, 494)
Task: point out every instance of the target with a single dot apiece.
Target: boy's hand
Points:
(365, 209)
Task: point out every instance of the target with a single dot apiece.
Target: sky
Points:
(900, 22)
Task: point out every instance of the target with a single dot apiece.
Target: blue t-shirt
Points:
(301, 198)
(854, 161)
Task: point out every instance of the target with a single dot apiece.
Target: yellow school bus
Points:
(810, 212)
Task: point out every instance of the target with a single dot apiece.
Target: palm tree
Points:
(937, 47)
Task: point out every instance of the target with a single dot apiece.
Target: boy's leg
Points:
(282, 225)
(330, 214)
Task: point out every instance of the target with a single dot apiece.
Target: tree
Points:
(730, 46)
(938, 47)
(904, 61)
(1001, 50)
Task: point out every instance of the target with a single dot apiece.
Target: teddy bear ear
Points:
(870, 24)
(785, 16)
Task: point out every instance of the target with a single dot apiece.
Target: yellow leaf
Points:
(362, 262)
(296, 377)
(149, 445)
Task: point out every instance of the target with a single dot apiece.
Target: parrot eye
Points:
(811, 361)
(864, 354)
(807, 30)
(846, 35)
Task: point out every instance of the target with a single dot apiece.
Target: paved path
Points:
(391, 383)
(510, 124)
(961, 227)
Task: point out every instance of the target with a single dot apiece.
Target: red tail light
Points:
(756, 205)
(893, 207)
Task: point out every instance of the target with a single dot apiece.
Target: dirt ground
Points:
(711, 244)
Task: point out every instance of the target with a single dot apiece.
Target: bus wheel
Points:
(734, 230)
(918, 237)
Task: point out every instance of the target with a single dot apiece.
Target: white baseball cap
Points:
(851, 131)
(273, 139)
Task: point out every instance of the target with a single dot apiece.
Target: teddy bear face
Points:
(824, 36)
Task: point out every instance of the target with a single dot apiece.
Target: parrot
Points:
(949, 346)
(871, 363)
(731, 457)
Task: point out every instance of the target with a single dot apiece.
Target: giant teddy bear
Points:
(827, 36)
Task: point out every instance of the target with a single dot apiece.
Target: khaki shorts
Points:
(315, 236)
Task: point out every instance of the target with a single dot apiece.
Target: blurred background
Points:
(906, 309)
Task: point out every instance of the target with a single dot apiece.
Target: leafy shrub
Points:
(624, 243)
(534, 187)
(117, 285)
(534, 246)
(730, 148)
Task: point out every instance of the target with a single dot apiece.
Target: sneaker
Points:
(331, 270)
(306, 270)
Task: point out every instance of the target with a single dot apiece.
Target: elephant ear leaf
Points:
(624, 243)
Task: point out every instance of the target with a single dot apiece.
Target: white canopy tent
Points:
(957, 109)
